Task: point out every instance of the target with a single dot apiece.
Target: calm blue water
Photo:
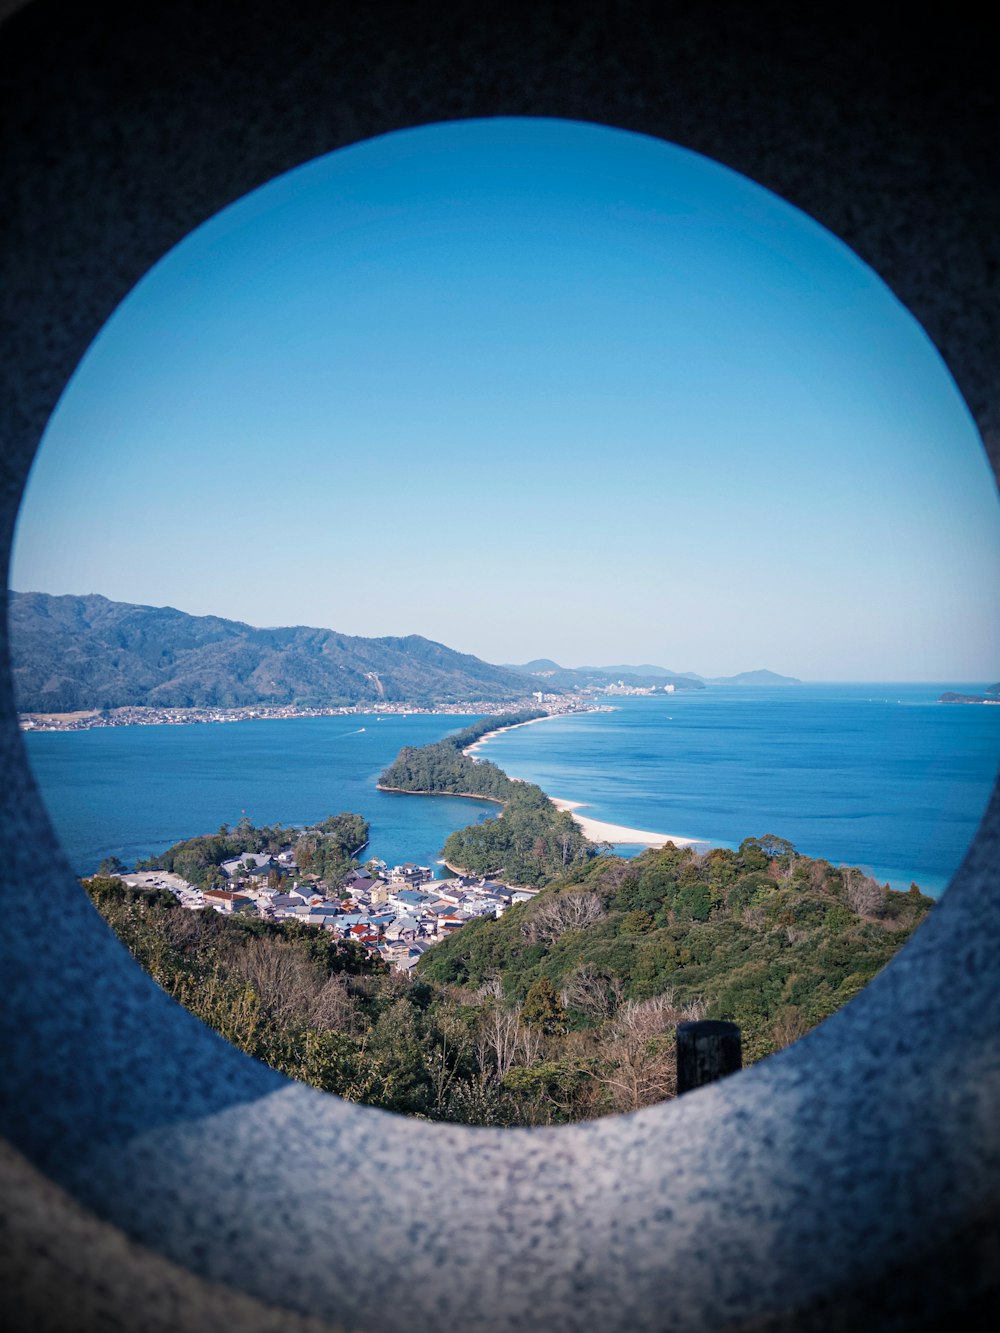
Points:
(880, 776)
(134, 791)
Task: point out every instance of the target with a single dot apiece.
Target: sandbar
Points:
(470, 750)
(599, 831)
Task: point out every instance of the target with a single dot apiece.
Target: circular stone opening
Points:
(820, 1177)
(551, 394)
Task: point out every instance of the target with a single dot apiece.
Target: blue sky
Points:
(530, 388)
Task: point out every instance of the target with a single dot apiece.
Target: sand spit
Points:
(599, 831)
(471, 749)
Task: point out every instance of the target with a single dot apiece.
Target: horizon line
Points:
(690, 675)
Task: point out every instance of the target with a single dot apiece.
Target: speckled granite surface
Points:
(850, 1182)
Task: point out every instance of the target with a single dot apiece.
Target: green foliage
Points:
(326, 849)
(542, 1016)
(752, 855)
(443, 767)
(694, 902)
(774, 954)
(637, 922)
(531, 844)
(542, 1008)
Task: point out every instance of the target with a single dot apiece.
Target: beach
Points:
(599, 831)
(497, 731)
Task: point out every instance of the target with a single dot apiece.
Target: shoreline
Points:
(92, 719)
(599, 830)
(464, 795)
(470, 750)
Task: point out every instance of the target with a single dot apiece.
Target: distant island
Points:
(645, 677)
(759, 677)
(687, 679)
(992, 696)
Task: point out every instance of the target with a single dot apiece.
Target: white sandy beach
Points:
(471, 749)
(598, 831)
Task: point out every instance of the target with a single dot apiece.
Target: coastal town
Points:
(142, 716)
(395, 913)
(135, 716)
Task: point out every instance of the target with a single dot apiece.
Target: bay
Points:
(880, 776)
(132, 792)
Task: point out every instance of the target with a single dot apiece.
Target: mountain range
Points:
(552, 676)
(71, 653)
(640, 677)
(74, 653)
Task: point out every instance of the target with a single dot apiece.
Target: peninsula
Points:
(992, 696)
(595, 830)
(599, 830)
(530, 844)
(537, 838)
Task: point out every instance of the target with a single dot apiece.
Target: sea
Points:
(879, 776)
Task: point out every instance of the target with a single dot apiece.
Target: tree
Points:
(398, 1043)
(773, 847)
(542, 1008)
(111, 865)
(694, 903)
(501, 1038)
(752, 855)
(561, 912)
(593, 993)
(864, 895)
(636, 922)
(639, 1056)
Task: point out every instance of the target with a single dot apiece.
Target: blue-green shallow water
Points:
(880, 776)
(133, 791)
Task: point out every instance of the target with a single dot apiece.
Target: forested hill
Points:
(563, 1009)
(769, 939)
(530, 845)
(88, 652)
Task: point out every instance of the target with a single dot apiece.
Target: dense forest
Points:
(325, 849)
(444, 768)
(563, 1009)
(530, 844)
(765, 937)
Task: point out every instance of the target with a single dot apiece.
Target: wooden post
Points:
(706, 1052)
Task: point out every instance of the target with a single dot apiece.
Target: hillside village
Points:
(395, 913)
